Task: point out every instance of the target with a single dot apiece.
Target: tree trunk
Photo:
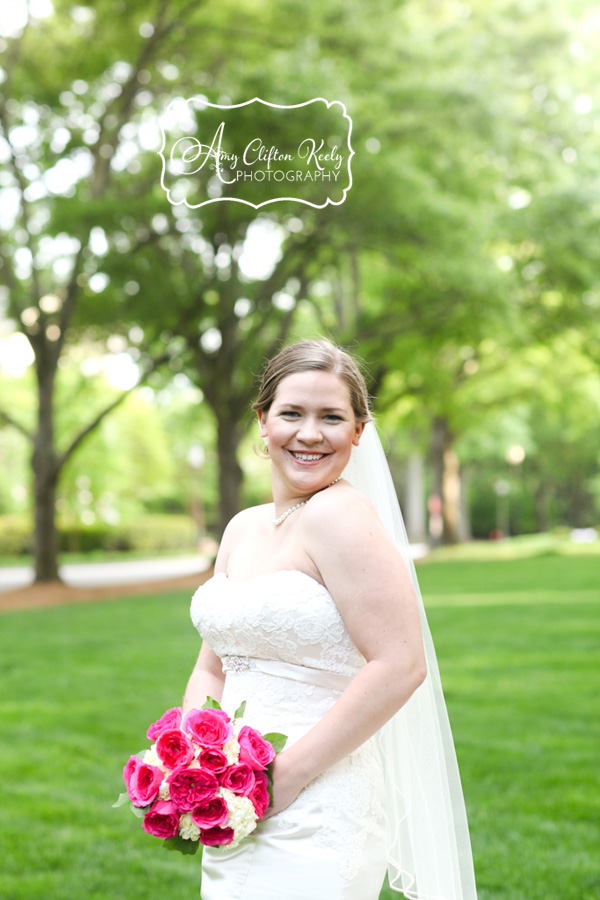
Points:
(464, 528)
(416, 526)
(437, 480)
(543, 495)
(451, 496)
(45, 474)
(446, 483)
(45, 533)
(230, 471)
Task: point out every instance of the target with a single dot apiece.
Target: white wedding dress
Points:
(286, 652)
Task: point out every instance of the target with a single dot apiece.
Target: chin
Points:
(314, 479)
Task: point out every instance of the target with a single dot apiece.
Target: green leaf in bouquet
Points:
(140, 811)
(277, 740)
(188, 848)
(240, 711)
(211, 703)
(123, 799)
(269, 771)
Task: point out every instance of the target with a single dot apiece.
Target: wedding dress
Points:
(286, 651)
(396, 799)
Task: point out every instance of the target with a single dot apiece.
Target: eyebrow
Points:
(325, 409)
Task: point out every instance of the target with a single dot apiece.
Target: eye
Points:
(289, 413)
(334, 418)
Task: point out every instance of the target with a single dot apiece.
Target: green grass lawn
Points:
(518, 649)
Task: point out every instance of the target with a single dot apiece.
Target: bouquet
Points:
(205, 780)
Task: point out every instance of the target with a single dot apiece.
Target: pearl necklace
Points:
(289, 511)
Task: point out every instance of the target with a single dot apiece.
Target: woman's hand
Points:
(286, 786)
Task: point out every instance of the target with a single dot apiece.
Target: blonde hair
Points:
(316, 355)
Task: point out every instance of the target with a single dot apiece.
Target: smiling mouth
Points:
(307, 457)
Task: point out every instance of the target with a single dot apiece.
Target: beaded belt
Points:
(319, 677)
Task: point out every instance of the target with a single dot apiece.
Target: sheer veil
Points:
(429, 850)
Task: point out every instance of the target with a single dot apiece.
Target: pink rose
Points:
(254, 750)
(191, 787)
(162, 820)
(260, 794)
(216, 837)
(174, 748)
(169, 720)
(238, 778)
(208, 727)
(214, 760)
(142, 781)
(211, 813)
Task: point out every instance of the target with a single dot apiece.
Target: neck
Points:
(284, 507)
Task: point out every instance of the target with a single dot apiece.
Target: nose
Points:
(309, 430)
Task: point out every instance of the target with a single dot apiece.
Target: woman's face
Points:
(310, 429)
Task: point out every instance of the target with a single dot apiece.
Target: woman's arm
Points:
(207, 680)
(371, 586)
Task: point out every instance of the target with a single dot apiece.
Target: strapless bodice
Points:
(286, 616)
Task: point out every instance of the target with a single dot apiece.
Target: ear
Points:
(262, 420)
(360, 427)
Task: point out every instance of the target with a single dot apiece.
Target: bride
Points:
(314, 618)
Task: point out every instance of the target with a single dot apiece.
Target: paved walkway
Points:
(102, 574)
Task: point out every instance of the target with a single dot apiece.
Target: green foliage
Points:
(211, 703)
(18, 393)
(147, 534)
(277, 740)
(15, 535)
(182, 845)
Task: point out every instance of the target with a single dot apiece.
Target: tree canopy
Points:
(463, 255)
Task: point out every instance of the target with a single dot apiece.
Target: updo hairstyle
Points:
(320, 356)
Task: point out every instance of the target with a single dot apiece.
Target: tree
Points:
(62, 171)
(514, 262)
(76, 170)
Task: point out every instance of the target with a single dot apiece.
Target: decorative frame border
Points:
(329, 201)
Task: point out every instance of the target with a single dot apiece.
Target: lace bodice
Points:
(285, 615)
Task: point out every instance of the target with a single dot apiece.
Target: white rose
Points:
(152, 758)
(242, 816)
(163, 791)
(231, 749)
(188, 830)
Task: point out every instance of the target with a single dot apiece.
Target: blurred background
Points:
(463, 269)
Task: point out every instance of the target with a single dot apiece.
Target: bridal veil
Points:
(429, 850)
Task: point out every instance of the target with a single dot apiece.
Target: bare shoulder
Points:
(338, 520)
(242, 524)
(366, 577)
(357, 559)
